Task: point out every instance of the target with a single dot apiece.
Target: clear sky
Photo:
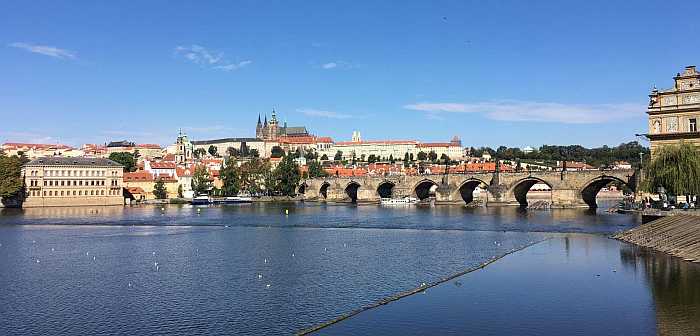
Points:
(493, 72)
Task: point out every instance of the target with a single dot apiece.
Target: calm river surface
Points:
(253, 270)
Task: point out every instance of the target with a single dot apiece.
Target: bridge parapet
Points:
(568, 189)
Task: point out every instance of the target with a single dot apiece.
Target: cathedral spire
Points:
(274, 115)
(266, 120)
(259, 123)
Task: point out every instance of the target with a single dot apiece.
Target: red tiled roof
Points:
(138, 176)
(179, 171)
(149, 146)
(163, 165)
(135, 190)
(435, 144)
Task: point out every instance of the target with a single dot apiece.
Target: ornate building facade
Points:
(674, 113)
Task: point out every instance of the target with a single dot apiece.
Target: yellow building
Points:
(146, 181)
(674, 113)
(61, 181)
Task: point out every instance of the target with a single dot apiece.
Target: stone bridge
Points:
(568, 188)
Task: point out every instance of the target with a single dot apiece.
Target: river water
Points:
(252, 269)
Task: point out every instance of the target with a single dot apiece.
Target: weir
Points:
(677, 235)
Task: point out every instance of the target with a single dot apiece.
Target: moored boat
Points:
(399, 201)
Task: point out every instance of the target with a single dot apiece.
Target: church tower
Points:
(259, 129)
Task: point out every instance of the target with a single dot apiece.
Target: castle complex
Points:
(271, 130)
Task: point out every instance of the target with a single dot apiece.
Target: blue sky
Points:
(493, 72)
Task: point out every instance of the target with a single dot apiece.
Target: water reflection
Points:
(674, 284)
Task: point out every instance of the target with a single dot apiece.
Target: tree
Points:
(199, 152)
(411, 157)
(406, 160)
(254, 153)
(277, 152)
(422, 156)
(316, 170)
(201, 180)
(213, 150)
(11, 182)
(676, 168)
(287, 176)
(324, 157)
(444, 158)
(232, 151)
(338, 156)
(159, 190)
(391, 159)
(180, 191)
(126, 159)
(432, 156)
(371, 158)
(231, 179)
(252, 175)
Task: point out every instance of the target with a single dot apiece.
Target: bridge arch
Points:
(351, 191)
(466, 189)
(592, 187)
(521, 187)
(323, 191)
(425, 188)
(302, 188)
(385, 189)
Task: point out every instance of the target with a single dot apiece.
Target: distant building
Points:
(145, 182)
(33, 151)
(270, 131)
(674, 113)
(61, 181)
(528, 150)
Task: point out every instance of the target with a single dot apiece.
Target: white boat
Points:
(235, 199)
(398, 201)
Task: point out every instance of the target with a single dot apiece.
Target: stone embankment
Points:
(677, 235)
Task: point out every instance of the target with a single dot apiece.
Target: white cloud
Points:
(324, 114)
(233, 66)
(45, 50)
(207, 58)
(339, 65)
(510, 110)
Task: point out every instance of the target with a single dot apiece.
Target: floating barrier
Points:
(420, 289)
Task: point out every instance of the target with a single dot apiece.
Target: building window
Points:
(102, 193)
(92, 193)
(44, 193)
(73, 192)
(692, 125)
(50, 193)
(80, 193)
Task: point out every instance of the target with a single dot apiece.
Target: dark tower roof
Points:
(266, 120)
(259, 119)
